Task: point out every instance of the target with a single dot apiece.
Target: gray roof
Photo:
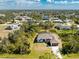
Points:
(46, 36)
(61, 26)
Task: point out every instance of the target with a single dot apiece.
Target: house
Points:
(45, 18)
(2, 15)
(23, 18)
(47, 38)
(68, 21)
(14, 26)
(70, 14)
(56, 20)
(77, 16)
(63, 27)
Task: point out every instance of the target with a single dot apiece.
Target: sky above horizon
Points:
(39, 4)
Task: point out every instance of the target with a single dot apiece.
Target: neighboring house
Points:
(14, 26)
(2, 15)
(69, 15)
(56, 20)
(63, 27)
(68, 21)
(77, 16)
(23, 18)
(45, 18)
(47, 38)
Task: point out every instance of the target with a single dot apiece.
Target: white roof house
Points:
(13, 26)
(63, 27)
(47, 38)
(67, 20)
(23, 18)
(3, 15)
(77, 16)
(56, 20)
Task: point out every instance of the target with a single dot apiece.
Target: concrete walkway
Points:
(56, 49)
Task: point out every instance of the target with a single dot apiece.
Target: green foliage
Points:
(70, 43)
(67, 48)
(46, 25)
(35, 16)
(31, 28)
(20, 41)
(62, 17)
(17, 43)
(53, 31)
(45, 56)
(76, 20)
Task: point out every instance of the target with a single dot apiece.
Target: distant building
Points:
(14, 26)
(68, 21)
(23, 18)
(69, 15)
(2, 15)
(63, 27)
(77, 16)
(47, 38)
(56, 20)
(45, 17)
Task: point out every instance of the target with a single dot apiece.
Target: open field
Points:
(3, 32)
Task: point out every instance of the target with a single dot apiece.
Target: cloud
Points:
(49, 0)
(26, 1)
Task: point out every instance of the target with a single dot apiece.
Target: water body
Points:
(43, 4)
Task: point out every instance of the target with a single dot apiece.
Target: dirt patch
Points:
(4, 33)
(40, 47)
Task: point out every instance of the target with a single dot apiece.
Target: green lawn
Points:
(38, 49)
(2, 26)
(66, 31)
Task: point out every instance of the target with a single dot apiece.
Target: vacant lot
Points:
(3, 32)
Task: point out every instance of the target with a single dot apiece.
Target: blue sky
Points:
(40, 4)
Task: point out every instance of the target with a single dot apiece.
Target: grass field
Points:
(38, 49)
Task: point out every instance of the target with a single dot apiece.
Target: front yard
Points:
(38, 49)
